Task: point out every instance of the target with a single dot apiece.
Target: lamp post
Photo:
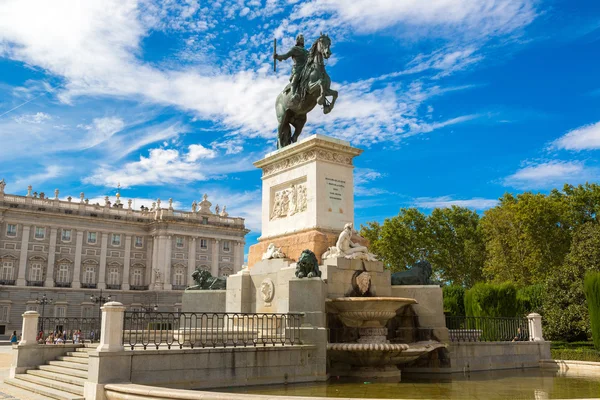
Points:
(99, 300)
(43, 301)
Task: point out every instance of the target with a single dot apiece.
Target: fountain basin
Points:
(367, 312)
(379, 354)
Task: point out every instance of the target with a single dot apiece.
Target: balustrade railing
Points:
(191, 330)
(487, 329)
(89, 327)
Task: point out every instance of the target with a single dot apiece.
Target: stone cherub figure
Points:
(345, 247)
(299, 56)
(273, 252)
(205, 281)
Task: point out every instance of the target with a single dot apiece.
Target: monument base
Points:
(315, 240)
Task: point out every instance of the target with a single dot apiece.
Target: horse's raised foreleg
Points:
(321, 98)
(328, 107)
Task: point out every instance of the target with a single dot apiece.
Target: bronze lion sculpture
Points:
(205, 281)
(307, 265)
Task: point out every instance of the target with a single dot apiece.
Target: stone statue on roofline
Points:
(2, 185)
(345, 247)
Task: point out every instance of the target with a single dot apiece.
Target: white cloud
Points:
(94, 47)
(586, 137)
(36, 118)
(246, 204)
(197, 152)
(437, 17)
(165, 166)
(551, 174)
(101, 130)
(476, 203)
(50, 172)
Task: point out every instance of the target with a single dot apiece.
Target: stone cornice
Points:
(316, 147)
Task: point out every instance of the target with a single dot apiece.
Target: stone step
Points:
(70, 365)
(64, 371)
(13, 392)
(80, 354)
(73, 380)
(86, 349)
(43, 390)
(51, 383)
(78, 360)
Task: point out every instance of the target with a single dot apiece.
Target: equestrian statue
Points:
(309, 85)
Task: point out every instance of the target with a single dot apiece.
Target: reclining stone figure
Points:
(205, 281)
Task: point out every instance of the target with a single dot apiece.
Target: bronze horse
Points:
(314, 87)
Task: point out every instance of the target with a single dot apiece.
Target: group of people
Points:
(57, 337)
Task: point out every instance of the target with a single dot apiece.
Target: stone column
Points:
(535, 327)
(51, 258)
(109, 363)
(111, 335)
(191, 260)
(29, 328)
(148, 279)
(215, 258)
(102, 266)
(77, 267)
(167, 262)
(126, 263)
(21, 281)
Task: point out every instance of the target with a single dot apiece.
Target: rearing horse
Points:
(314, 87)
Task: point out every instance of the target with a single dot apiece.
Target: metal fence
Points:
(89, 327)
(487, 329)
(182, 329)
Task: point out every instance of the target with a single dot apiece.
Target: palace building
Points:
(72, 250)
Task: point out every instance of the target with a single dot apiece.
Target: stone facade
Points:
(71, 249)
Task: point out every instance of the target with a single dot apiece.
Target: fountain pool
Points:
(509, 384)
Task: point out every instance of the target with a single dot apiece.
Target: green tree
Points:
(457, 248)
(591, 287)
(525, 237)
(565, 312)
(398, 240)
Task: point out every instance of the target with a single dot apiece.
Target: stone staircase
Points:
(61, 379)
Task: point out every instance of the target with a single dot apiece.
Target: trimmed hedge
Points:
(490, 300)
(591, 288)
(454, 300)
(530, 299)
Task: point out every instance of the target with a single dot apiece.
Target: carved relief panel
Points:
(289, 201)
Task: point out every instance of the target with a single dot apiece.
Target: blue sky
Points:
(454, 101)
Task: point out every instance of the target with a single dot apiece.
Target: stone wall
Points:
(219, 367)
(487, 356)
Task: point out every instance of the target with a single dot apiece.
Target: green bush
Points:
(492, 300)
(575, 354)
(591, 287)
(530, 299)
(454, 300)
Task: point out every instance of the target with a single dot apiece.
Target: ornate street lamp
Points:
(43, 301)
(99, 300)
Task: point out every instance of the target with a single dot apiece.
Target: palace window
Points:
(179, 277)
(136, 278)
(35, 273)
(225, 245)
(113, 276)
(204, 220)
(62, 274)
(87, 312)
(89, 274)
(4, 312)
(139, 242)
(203, 244)
(11, 230)
(7, 271)
(40, 233)
(66, 235)
(116, 239)
(60, 311)
(179, 242)
(91, 237)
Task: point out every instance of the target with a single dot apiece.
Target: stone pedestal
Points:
(307, 196)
